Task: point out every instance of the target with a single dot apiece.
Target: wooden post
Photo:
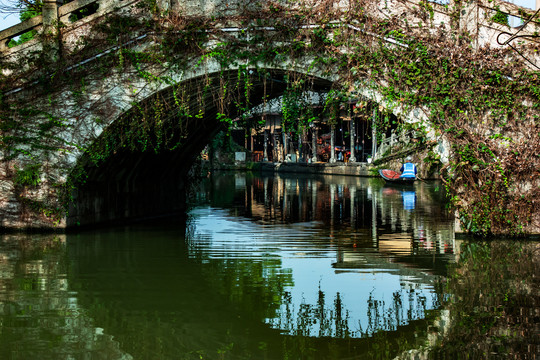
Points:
(313, 143)
(275, 150)
(352, 134)
(265, 155)
(274, 147)
(374, 135)
(332, 143)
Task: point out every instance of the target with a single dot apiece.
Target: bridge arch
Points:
(449, 64)
(137, 165)
(134, 138)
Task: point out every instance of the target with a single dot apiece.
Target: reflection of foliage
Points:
(34, 303)
(325, 319)
(384, 338)
(495, 295)
(264, 280)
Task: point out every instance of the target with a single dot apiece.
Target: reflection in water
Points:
(331, 290)
(400, 221)
(495, 301)
(409, 199)
(266, 268)
(40, 318)
(361, 260)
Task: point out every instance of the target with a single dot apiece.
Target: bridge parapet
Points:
(492, 23)
(68, 18)
(74, 14)
(8, 34)
(484, 20)
(210, 8)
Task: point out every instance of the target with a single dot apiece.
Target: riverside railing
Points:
(387, 145)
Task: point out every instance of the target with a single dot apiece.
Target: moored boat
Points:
(395, 177)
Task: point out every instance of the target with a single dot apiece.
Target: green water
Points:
(272, 268)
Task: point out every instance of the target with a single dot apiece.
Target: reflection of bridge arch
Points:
(40, 314)
(304, 240)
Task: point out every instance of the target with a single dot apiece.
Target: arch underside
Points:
(136, 181)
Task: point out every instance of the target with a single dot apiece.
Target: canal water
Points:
(273, 267)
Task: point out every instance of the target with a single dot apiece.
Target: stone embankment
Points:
(353, 169)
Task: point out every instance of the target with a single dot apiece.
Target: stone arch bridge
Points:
(105, 109)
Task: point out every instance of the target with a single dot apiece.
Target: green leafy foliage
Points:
(462, 92)
(26, 15)
(500, 17)
(28, 176)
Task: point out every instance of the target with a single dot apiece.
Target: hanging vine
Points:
(485, 102)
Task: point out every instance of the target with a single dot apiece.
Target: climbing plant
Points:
(481, 100)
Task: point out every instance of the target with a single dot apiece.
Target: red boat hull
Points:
(394, 176)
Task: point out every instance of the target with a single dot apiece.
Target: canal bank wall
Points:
(426, 170)
(319, 168)
(352, 169)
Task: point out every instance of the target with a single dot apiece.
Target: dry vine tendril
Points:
(486, 102)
